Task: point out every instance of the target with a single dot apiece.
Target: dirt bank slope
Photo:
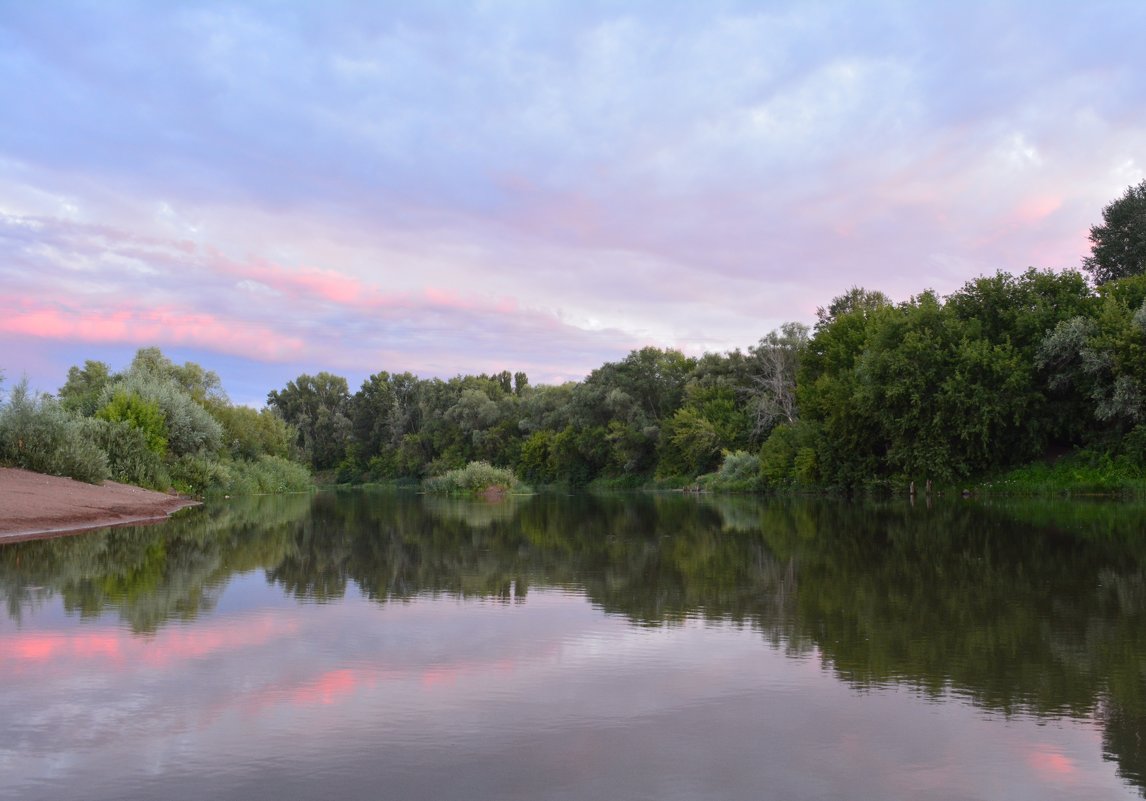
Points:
(34, 505)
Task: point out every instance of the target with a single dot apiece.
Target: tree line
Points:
(156, 424)
(1007, 370)
(1004, 371)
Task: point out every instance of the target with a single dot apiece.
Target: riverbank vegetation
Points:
(1006, 374)
(475, 479)
(1033, 382)
(157, 425)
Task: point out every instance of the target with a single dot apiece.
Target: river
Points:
(376, 645)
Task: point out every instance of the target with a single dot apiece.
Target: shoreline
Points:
(38, 506)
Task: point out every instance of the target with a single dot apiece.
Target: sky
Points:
(276, 188)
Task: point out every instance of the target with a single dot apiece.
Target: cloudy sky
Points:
(271, 188)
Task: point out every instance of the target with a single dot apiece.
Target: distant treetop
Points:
(1118, 246)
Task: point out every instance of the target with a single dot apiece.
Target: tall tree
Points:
(84, 387)
(1118, 246)
(318, 407)
(776, 360)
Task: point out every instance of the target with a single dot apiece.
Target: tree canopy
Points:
(1118, 246)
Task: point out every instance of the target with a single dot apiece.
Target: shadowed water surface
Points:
(383, 645)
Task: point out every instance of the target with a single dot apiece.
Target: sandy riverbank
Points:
(35, 505)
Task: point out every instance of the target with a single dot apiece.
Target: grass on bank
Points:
(1080, 473)
(476, 478)
(739, 472)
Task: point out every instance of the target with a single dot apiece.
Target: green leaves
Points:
(317, 407)
(934, 389)
(145, 416)
(157, 424)
(1118, 246)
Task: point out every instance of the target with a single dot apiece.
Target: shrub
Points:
(200, 475)
(473, 479)
(190, 428)
(805, 468)
(130, 459)
(278, 474)
(36, 433)
(777, 455)
(194, 475)
(739, 472)
(788, 456)
(140, 414)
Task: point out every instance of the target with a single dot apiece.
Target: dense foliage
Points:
(157, 424)
(656, 413)
(1006, 371)
(1118, 246)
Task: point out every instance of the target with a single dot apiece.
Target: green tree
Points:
(317, 406)
(788, 456)
(712, 421)
(249, 433)
(1017, 311)
(201, 384)
(82, 392)
(690, 445)
(850, 443)
(535, 462)
(383, 411)
(191, 429)
(946, 402)
(1118, 246)
(126, 407)
(1101, 358)
(629, 401)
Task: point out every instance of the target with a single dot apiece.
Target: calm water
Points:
(377, 645)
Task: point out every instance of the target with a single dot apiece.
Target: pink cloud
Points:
(332, 286)
(329, 285)
(163, 326)
(353, 293)
(1037, 208)
(445, 299)
(96, 284)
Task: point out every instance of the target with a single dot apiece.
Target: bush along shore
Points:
(476, 479)
(156, 425)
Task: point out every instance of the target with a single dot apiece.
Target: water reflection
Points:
(1019, 609)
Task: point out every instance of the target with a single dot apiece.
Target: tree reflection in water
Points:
(1029, 607)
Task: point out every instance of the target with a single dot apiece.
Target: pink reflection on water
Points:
(1050, 764)
(330, 686)
(117, 649)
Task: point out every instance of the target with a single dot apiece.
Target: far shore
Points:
(33, 505)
